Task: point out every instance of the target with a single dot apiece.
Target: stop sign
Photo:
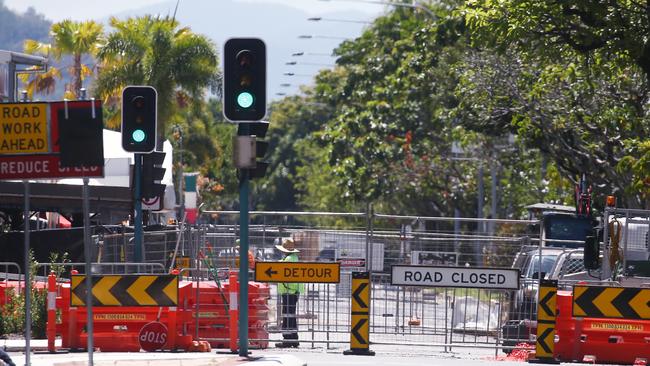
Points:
(153, 336)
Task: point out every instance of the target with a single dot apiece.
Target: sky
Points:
(81, 10)
(282, 42)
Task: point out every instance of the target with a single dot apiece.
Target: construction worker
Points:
(5, 358)
(251, 257)
(289, 293)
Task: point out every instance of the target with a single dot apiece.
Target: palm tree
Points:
(155, 51)
(77, 39)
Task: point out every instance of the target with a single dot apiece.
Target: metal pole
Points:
(28, 302)
(243, 256)
(479, 214)
(368, 264)
(137, 200)
(88, 253)
(180, 179)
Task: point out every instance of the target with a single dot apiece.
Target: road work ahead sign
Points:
(305, 272)
(470, 277)
(24, 128)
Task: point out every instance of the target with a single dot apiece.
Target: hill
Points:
(16, 28)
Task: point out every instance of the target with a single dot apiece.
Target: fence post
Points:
(73, 334)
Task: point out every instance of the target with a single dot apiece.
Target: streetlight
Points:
(299, 75)
(414, 5)
(312, 36)
(302, 53)
(293, 63)
(319, 19)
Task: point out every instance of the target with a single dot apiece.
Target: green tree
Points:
(76, 39)
(390, 141)
(156, 51)
(292, 120)
(562, 77)
(602, 30)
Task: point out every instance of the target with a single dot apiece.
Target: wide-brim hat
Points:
(287, 246)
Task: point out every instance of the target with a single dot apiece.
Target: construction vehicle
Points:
(615, 252)
(563, 231)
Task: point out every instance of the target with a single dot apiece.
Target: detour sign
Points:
(302, 272)
(23, 128)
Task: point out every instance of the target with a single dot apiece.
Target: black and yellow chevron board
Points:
(126, 290)
(611, 302)
(546, 312)
(360, 315)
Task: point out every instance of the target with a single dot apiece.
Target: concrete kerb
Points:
(163, 359)
(14, 346)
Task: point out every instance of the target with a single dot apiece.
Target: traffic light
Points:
(250, 147)
(152, 174)
(244, 84)
(139, 115)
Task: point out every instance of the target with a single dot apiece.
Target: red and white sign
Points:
(352, 262)
(153, 336)
(29, 141)
(152, 204)
(42, 166)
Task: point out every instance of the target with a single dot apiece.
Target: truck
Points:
(563, 231)
(613, 249)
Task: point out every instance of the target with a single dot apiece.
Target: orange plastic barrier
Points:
(116, 329)
(214, 322)
(233, 311)
(617, 341)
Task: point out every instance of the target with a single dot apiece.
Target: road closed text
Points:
(455, 277)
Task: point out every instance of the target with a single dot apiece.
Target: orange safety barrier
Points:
(51, 312)
(190, 328)
(214, 322)
(617, 341)
(233, 311)
(116, 329)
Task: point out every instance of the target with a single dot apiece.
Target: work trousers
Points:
(289, 320)
(5, 358)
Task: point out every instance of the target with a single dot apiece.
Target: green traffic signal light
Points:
(138, 135)
(139, 118)
(245, 99)
(244, 79)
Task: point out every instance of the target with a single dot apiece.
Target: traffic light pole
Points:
(137, 226)
(243, 259)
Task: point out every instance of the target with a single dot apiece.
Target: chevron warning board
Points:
(360, 311)
(546, 312)
(611, 302)
(126, 290)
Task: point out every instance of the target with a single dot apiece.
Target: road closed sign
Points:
(468, 277)
(299, 272)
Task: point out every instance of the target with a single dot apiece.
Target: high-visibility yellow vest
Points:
(291, 288)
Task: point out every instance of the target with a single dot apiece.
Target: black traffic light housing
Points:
(152, 174)
(244, 84)
(139, 118)
(257, 129)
